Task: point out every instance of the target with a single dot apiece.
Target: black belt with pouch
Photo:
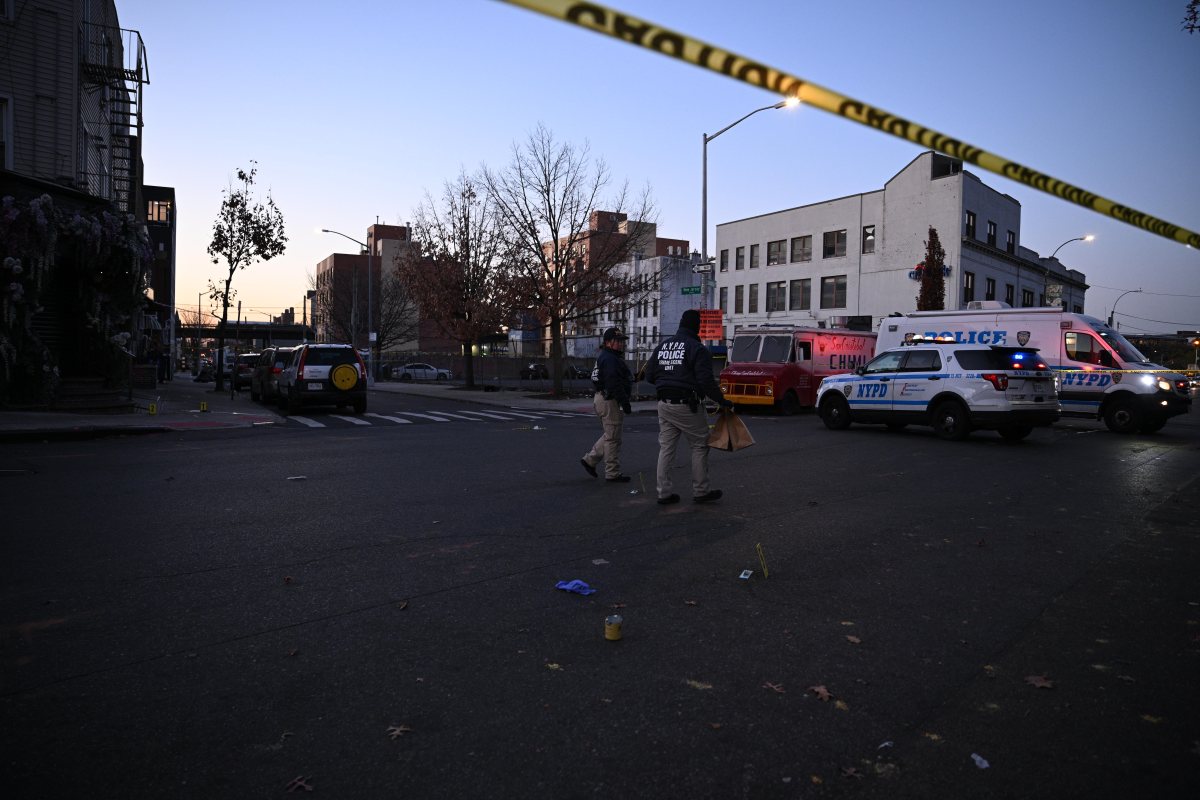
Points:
(677, 399)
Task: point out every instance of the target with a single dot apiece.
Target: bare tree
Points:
(1191, 18)
(460, 268)
(565, 253)
(190, 322)
(244, 232)
(933, 281)
(399, 319)
(340, 305)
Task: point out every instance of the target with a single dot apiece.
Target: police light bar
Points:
(917, 338)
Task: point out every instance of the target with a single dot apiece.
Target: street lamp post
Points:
(1046, 276)
(788, 103)
(371, 370)
(1112, 313)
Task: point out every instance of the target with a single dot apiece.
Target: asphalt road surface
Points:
(371, 611)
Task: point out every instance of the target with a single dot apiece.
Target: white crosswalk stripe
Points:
(490, 415)
(403, 417)
(455, 416)
(396, 420)
(423, 416)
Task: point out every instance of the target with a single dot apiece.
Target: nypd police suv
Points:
(1101, 374)
(953, 387)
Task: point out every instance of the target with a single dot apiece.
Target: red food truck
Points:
(782, 365)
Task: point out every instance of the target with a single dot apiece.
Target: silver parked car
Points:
(420, 372)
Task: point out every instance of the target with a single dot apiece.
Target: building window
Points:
(654, 307)
(989, 289)
(1011, 243)
(776, 296)
(868, 240)
(1008, 294)
(753, 256)
(801, 295)
(991, 240)
(6, 9)
(724, 261)
(738, 293)
(775, 253)
(801, 249)
(752, 302)
(724, 302)
(833, 291)
(968, 287)
(159, 211)
(1026, 298)
(969, 225)
(1078, 309)
(835, 244)
(739, 258)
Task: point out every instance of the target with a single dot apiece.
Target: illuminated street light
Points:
(790, 102)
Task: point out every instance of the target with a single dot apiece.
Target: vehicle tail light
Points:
(996, 379)
(300, 365)
(362, 368)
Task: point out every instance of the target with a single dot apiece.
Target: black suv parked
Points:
(323, 374)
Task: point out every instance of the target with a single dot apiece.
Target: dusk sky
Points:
(355, 110)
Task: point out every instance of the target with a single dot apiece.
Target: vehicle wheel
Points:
(896, 427)
(360, 406)
(404, 376)
(293, 402)
(441, 377)
(789, 405)
(1152, 425)
(835, 413)
(255, 396)
(950, 421)
(1015, 433)
(1121, 416)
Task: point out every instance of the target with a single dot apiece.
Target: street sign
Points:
(690, 290)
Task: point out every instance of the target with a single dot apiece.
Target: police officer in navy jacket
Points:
(682, 373)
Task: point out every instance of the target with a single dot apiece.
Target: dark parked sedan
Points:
(264, 381)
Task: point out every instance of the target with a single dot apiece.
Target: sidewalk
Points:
(176, 406)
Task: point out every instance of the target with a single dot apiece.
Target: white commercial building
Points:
(647, 318)
(853, 260)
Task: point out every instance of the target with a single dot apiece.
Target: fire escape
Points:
(112, 71)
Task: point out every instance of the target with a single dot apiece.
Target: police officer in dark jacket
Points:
(682, 373)
(614, 386)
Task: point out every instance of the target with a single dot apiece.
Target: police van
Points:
(953, 388)
(1100, 374)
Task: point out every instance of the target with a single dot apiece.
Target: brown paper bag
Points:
(729, 433)
(719, 439)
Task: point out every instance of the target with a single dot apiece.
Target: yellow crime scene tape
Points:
(601, 19)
